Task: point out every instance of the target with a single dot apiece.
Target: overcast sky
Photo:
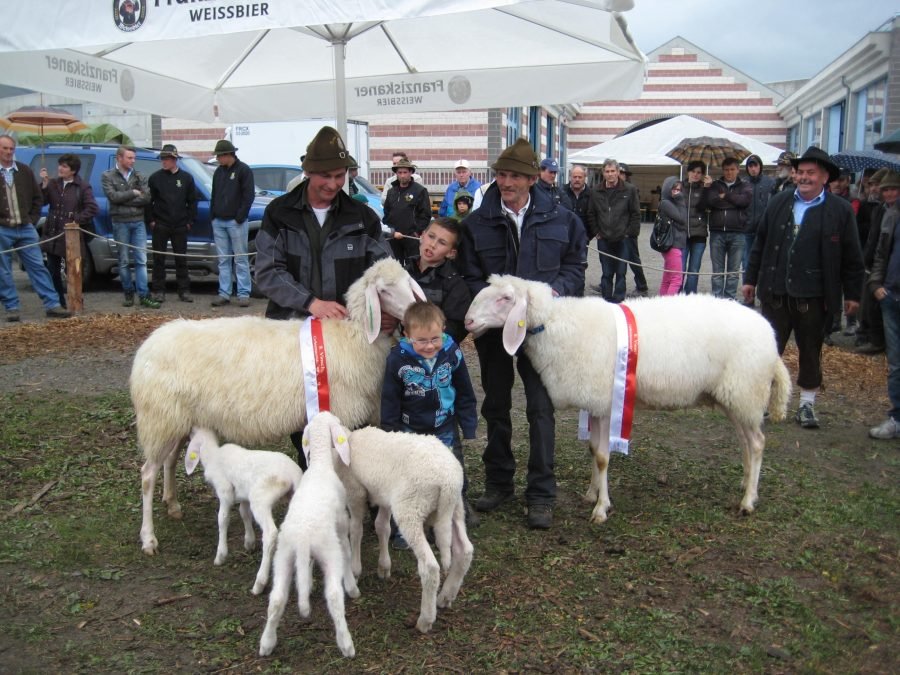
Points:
(769, 40)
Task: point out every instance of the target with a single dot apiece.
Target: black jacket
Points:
(173, 198)
(613, 213)
(445, 287)
(408, 209)
(292, 272)
(553, 247)
(728, 213)
(838, 252)
(232, 192)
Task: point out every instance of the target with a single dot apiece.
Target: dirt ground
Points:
(91, 356)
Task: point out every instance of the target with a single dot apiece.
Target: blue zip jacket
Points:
(446, 208)
(427, 400)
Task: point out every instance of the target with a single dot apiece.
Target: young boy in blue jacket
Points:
(427, 389)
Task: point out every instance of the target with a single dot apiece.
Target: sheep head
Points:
(384, 286)
(503, 303)
(326, 430)
(202, 440)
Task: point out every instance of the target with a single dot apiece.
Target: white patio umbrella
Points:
(281, 59)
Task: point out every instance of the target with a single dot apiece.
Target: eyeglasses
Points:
(424, 342)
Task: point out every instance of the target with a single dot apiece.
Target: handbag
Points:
(663, 235)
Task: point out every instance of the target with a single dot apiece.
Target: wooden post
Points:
(74, 298)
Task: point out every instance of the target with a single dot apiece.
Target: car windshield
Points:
(201, 172)
(366, 186)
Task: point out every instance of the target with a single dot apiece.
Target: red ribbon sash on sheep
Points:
(624, 385)
(315, 370)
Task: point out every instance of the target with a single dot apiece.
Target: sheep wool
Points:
(242, 378)
(694, 349)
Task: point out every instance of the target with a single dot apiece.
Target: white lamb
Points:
(316, 527)
(256, 479)
(243, 379)
(692, 349)
(418, 480)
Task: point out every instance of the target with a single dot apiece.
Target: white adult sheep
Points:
(256, 479)
(692, 349)
(316, 527)
(243, 379)
(418, 480)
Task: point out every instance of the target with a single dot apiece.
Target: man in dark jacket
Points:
(229, 206)
(727, 200)
(762, 186)
(577, 191)
(632, 250)
(407, 209)
(173, 208)
(613, 211)
(805, 255)
(518, 230)
(20, 208)
(315, 241)
(547, 182)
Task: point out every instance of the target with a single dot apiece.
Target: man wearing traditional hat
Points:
(516, 226)
(172, 211)
(316, 240)
(784, 172)
(407, 209)
(229, 206)
(805, 255)
(884, 285)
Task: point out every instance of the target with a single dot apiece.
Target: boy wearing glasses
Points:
(427, 389)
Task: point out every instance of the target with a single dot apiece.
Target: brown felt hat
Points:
(224, 147)
(878, 176)
(519, 157)
(169, 150)
(326, 152)
(404, 164)
(891, 180)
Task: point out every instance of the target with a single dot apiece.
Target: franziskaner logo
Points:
(128, 15)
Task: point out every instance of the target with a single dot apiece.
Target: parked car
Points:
(273, 179)
(103, 257)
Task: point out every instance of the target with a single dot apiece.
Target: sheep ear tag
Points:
(514, 328)
(373, 313)
(192, 456)
(341, 438)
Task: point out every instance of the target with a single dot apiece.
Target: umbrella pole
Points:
(340, 94)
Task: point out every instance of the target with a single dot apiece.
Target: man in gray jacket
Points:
(128, 194)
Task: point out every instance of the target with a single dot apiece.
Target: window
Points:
(870, 103)
(534, 128)
(814, 130)
(513, 125)
(835, 128)
(793, 139)
(551, 137)
(50, 160)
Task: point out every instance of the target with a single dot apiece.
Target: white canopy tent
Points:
(648, 147)
(271, 60)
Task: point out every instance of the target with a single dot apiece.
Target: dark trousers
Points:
(162, 235)
(403, 249)
(54, 266)
(497, 377)
(634, 258)
(612, 280)
(805, 317)
(871, 324)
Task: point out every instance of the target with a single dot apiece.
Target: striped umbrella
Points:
(712, 151)
(41, 120)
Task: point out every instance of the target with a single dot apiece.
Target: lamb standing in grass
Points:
(693, 349)
(242, 378)
(418, 480)
(316, 528)
(256, 479)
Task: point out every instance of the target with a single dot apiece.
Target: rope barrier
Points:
(594, 246)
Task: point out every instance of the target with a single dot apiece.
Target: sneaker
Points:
(243, 302)
(492, 498)
(829, 340)
(149, 302)
(184, 296)
(806, 416)
(129, 300)
(398, 543)
(540, 516)
(220, 301)
(159, 297)
(58, 313)
(12, 316)
(887, 430)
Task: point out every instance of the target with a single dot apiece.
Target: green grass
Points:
(674, 582)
